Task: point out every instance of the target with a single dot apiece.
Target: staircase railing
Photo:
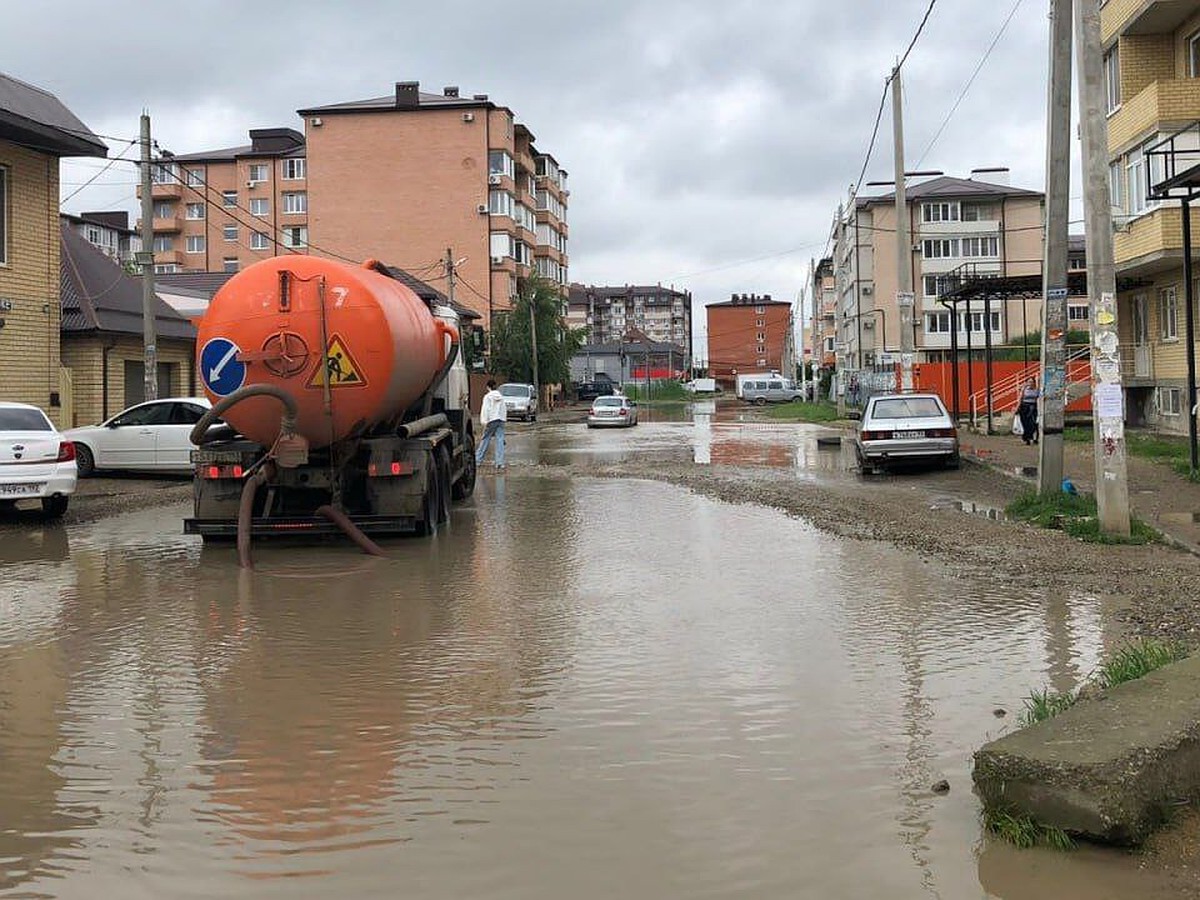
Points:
(1006, 393)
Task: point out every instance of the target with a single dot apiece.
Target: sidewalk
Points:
(1157, 495)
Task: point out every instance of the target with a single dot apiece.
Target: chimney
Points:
(450, 90)
(479, 96)
(992, 175)
(408, 94)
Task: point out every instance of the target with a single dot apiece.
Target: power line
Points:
(115, 159)
(970, 81)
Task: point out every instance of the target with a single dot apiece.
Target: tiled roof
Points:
(33, 117)
(200, 283)
(98, 295)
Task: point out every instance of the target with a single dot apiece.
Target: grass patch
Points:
(664, 391)
(1161, 448)
(1077, 434)
(1184, 467)
(1076, 515)
(1135, 660)
(799, 411)
(1045, 704)
(1023, 831)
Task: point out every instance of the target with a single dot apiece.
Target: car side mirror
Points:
(113, 424)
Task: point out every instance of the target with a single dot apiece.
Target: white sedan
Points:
(616, 411)
(149, 437)
(36, 462)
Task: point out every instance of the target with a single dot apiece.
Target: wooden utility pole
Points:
(1054, 271)
(905, 298)
(1108, 412)
(149, 331)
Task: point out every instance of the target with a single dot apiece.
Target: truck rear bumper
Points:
(283, 526)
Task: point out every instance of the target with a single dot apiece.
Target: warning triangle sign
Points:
(340, 368)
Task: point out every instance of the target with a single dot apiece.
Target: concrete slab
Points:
(1109, 768)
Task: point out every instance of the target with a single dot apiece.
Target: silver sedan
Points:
(614, 411)
(897, 428)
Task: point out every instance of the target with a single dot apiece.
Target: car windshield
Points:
(24, 420)
(907, 408)
(607, 401)
(514, 390)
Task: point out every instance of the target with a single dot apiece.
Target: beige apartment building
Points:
(221, 210)
(408, 176)
(607, 312)
(822, 332)
(960, 228)
(1152, 80)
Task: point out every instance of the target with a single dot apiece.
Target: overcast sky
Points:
(708, 143)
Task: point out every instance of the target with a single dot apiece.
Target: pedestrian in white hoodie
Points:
(492, 414)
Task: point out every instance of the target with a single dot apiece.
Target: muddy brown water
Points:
(583, 688)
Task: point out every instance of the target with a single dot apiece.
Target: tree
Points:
(512, 354)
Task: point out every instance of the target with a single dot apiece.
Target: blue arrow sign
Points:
(220, 368)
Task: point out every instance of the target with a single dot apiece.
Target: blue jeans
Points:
(494, 429)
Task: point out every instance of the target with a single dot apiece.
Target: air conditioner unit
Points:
(497, 260)
(482, 209)
(468, 117)
(868, 325)
(867, 290)
(493, 179)
(251, 184)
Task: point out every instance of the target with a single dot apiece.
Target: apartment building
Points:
(960, 228)
(664, 314)
(107, 231)
(408, 176)
(36, 130)
(822, 332)
(1152, 81)
(748, 333)
(221, 210)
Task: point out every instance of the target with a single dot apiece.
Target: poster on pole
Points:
(1109, 401)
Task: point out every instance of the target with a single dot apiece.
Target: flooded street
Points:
(585, 687)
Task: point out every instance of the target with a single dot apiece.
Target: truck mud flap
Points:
(299, 526)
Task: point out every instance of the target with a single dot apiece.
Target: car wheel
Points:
(54, 507)
(760, 401)
(8, 506)
(954, 461)
(85, 461)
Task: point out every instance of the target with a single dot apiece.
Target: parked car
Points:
(600, 386)
(521, 401)
(899, 428)
(148, 437)
(762, 391)
(36, 462)
(614, 410)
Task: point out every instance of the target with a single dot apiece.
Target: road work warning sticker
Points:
(340, 368)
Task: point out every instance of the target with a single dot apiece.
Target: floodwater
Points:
(583, 688)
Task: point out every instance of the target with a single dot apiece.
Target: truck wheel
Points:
(465, 486)
(429, 501)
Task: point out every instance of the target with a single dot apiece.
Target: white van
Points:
(751, 377)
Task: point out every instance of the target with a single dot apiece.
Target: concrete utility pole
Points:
(450, 276)
(905, 298)
(839, 345)
(537, 391)
(149, 330)
(1108, 413)
(1054, 271)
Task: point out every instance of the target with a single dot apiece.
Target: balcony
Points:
(1137, 362)
(166, 224)
(167, 257)
(1175, 101)
(166, 190)
(1142, 17)
(1150, 243)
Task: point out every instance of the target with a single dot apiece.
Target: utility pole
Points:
(1054, 271)
(839, 347)
(1108, 413)
(537, 390)
(450, 276)
(149, 330)
(905, 298)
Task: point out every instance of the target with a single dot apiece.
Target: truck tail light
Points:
(376, 470)
(66, 451)
(215, 473)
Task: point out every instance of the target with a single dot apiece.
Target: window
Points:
(1112, 80)
(228, 198)
(163, 243)
(166, 269)
(977, 212)
(1135, 166)
(259, 206)
(500, 203)
(940, 249)
(1168, 314)
(259, 241)
(500, 163)
(973, 322)
(501, 244)
(195, 211)
(163, 210)
(163, 173)
(229, 264)
(229, 233)
(195, 177)
(1077, 313)
(1116, 185)
(932, 285)
(195, 243)
(828, 345)
(759, 322)
(937, 323)
(295, 169)
(981, 246)
(258, 172)
(760, 337)
(1169, 400)
(760, 310)
(939, 212)
(295, 203)
(93, 236)
(295, 237)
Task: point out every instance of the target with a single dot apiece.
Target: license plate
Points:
(908, 435)
(21, 490)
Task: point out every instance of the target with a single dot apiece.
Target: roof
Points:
(428, 292)
(35, 118)
(388, 104)
(749, 304)
(203, 284)
(99, 296)
(580, 292)
(950, 188)
(116, 221)
(265, 142)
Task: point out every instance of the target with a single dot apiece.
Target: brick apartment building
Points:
(747, 333)
(107, 231)
(221, 210)
(609, 312)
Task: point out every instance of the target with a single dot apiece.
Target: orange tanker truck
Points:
(340, 404)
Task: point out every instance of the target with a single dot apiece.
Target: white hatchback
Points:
(151, 437)
(36, 462)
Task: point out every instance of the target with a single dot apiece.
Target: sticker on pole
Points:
(339, 369)
(222, 371)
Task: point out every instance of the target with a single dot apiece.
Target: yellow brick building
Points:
(35, 131)
(1152, 80)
